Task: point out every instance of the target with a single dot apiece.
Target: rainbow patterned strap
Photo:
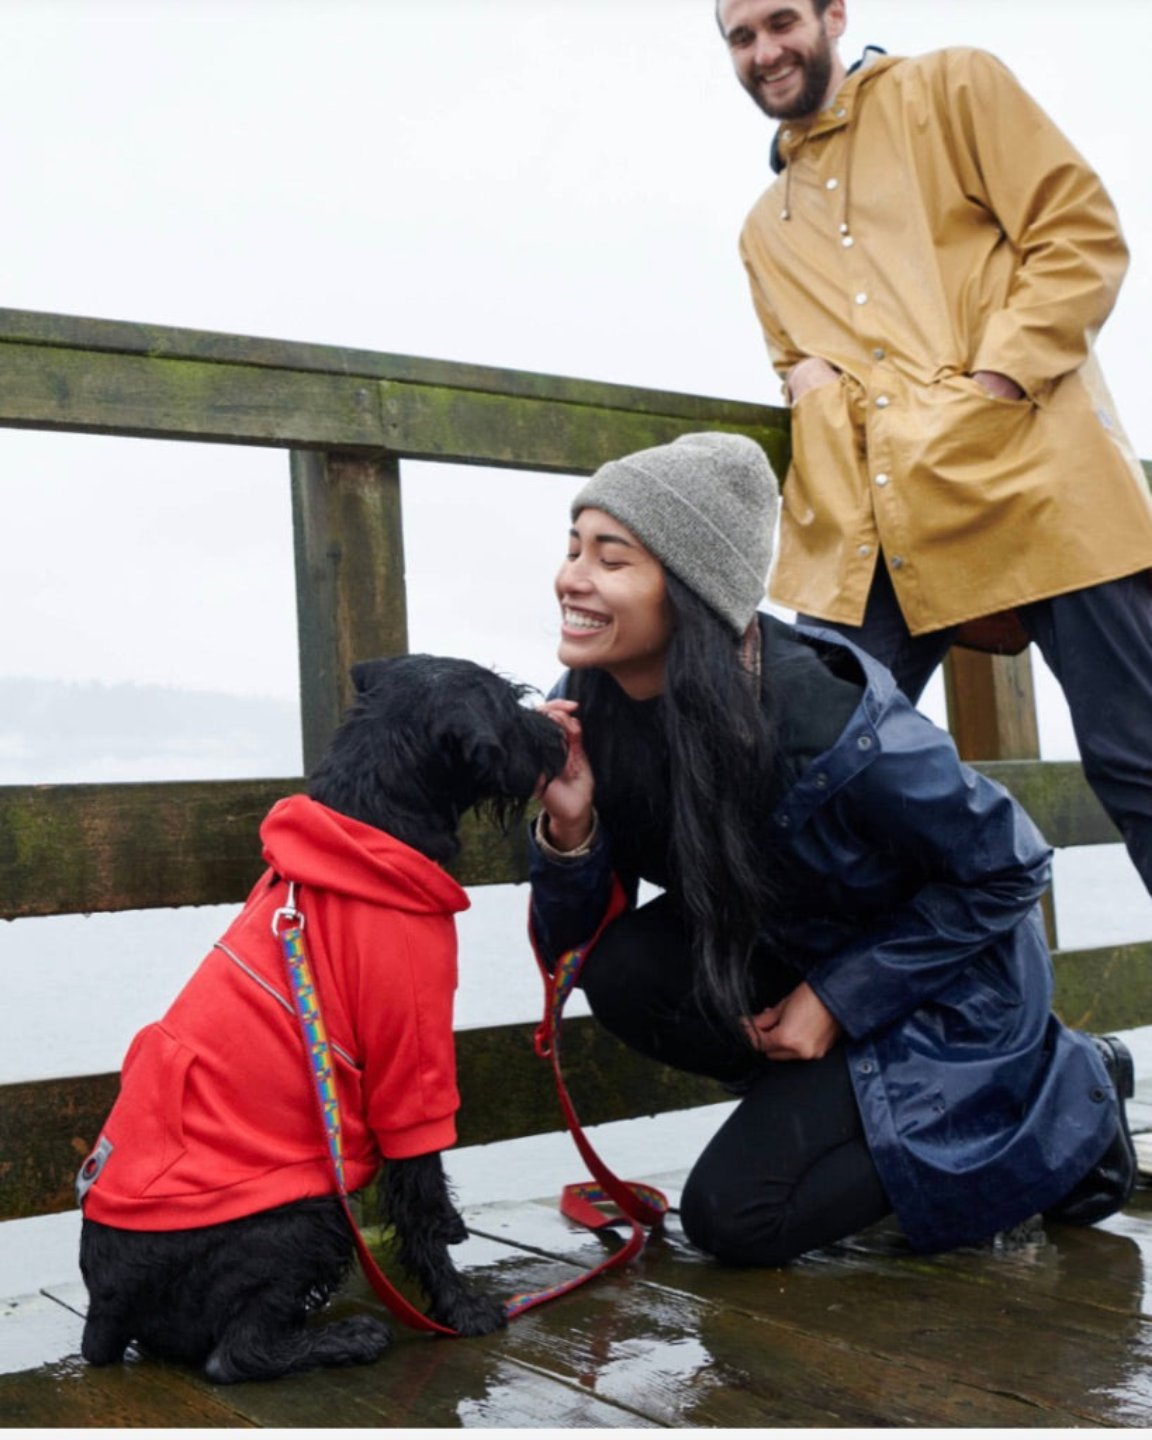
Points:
(315, 1042)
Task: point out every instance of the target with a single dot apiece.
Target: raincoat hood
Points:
(307, 842)
(791, 134)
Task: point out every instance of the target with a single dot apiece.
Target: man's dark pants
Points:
(1098, 644)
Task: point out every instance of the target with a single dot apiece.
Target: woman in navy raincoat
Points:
(848, 934)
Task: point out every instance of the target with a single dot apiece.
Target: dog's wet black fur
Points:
(425, 740)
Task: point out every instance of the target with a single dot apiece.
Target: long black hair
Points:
(690, 774)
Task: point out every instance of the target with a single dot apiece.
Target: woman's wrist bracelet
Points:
(552, 851)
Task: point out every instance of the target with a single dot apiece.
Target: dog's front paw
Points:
(470, 1314)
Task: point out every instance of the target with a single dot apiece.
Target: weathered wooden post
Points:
(350, 601)
(992, 716)
(992, 705)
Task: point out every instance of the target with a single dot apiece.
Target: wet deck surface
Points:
(1054, 1329)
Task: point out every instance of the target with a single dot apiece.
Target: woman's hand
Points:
(568, 799)
(800, 1027)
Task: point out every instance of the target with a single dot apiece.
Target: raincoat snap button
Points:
(882, 479)
(865, 1067)
(862, 298)
(783, 821)
(882, 402)
(821, 781)
(1098, 1094)
(864, 742)
(897, 562)
(831, 184)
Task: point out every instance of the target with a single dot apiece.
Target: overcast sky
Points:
(551, 185)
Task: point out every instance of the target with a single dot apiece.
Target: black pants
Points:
(790, 1169)
(1098, 644)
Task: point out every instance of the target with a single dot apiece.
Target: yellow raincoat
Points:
(933, 222)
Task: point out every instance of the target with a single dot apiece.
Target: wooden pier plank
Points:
(866, 1334)
(1037, 1337)
(149, 1394)
(690, 1362)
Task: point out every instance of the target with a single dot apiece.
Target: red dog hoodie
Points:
(216, 1116)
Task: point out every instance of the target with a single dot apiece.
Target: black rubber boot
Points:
(1109, 1184)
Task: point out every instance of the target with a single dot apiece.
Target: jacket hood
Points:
(873, 62)
(307, 842)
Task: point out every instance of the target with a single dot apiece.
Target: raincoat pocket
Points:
(960, 434)
(823, 480)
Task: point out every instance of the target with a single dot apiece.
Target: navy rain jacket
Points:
(911, 909)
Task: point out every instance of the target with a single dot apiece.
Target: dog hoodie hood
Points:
(307, 842)
(216, 1116)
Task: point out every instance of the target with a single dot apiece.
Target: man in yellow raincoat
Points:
(930, 268)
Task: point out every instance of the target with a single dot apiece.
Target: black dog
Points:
(425, 740)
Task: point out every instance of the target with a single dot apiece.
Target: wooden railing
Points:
(349, 418)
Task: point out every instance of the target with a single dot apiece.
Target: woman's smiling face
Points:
(614, 608)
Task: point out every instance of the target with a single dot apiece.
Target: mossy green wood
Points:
(1103, 989)
(1059, 799)
(77, 849)
(520, 421)
(80, 848)
(34, 330)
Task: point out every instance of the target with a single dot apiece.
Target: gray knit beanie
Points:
(705, 506)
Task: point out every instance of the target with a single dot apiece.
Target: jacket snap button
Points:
(864, 742)
(783, 821)
(866, 1067)
(821, 781)
(1098, 1094)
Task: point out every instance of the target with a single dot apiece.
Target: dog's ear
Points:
(367, 674)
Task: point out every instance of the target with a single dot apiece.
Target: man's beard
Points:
(817, 77)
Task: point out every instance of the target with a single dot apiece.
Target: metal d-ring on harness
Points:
(641, 1205)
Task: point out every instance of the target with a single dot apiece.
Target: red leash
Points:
(641, 1204)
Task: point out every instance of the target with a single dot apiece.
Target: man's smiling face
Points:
(784, 52)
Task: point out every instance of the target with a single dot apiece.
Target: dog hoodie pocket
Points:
(146, 1126)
